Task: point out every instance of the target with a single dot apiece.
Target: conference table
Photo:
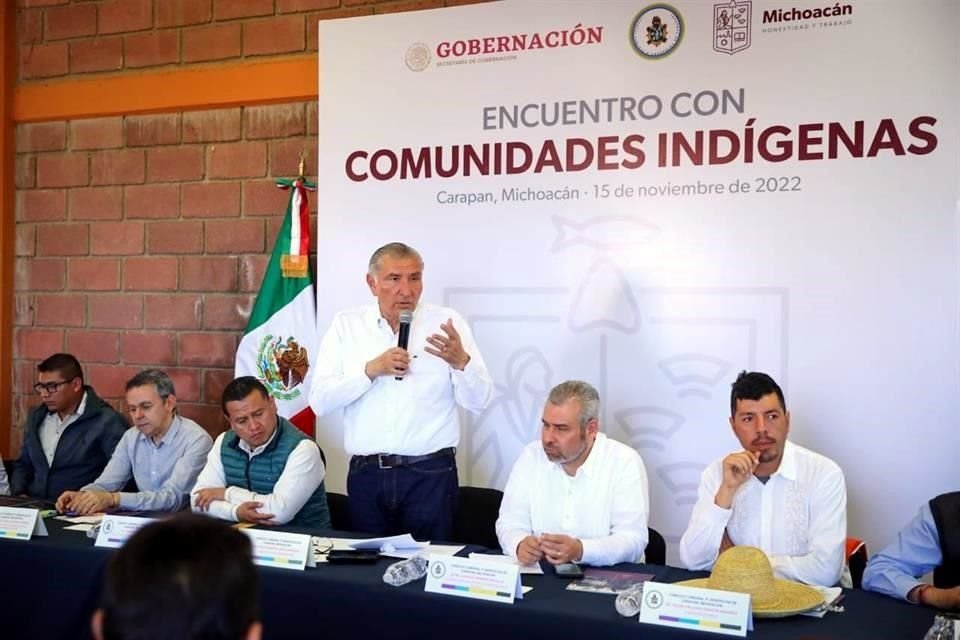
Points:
(49, 587)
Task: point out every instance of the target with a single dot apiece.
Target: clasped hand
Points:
(84, 503)
(556, 548)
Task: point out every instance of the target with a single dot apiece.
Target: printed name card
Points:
(671, 605)
(115, 530)
(474, 578)
(280, 549)
(21, 524)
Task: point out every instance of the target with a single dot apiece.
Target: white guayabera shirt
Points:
(798, 518)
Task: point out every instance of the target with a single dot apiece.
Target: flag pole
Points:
(280, 341)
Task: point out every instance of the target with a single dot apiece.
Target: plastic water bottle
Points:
(405, 571)
(628, 601)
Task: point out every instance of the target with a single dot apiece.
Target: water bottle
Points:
(943, 629)
(405, 571)
(628, 600)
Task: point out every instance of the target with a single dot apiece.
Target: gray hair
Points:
(395, 249)
(578, 390)
(157, 378)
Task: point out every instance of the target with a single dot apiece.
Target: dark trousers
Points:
(419, 499)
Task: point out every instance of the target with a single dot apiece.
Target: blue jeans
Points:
(419, 499)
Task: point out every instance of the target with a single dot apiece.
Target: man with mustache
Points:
(774, 495)
(163, 452)
(576, 495)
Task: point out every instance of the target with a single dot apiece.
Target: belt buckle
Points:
(380, 459)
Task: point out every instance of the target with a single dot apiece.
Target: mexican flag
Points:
(281, 338)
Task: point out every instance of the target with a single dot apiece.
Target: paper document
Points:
(525, 569)
(607, 581)
(830, 595)
(95, 519)
(400, 548)
(389, 544)
(435, 549)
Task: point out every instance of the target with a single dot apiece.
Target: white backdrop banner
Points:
(654, 197)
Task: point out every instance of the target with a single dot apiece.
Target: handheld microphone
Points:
(403, 335)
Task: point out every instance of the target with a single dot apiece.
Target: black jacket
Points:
(946, 514)
(84, 448)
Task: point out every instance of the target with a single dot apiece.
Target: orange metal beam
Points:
(287, 79)
(8, 71)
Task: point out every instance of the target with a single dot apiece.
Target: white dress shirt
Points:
(798, 518)
(605, 504)
(4, 484)
(416, 415)
(53, 427)
(301, 476)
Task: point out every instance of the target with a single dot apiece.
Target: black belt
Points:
(391, 460)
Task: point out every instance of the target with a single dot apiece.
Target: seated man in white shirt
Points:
(264, 470)
(774, 495)
(163, 452)
(576, 495)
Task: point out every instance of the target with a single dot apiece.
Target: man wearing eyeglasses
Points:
(68, 439)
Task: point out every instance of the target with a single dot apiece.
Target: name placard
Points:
(115, 530)
(280, 549)
(708, 610)
(21, 524)
(474, 578)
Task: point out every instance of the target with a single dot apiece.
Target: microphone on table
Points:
(403, 337)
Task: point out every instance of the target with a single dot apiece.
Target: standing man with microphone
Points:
(401, 423)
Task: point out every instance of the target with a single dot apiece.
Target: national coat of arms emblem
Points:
(282, 365)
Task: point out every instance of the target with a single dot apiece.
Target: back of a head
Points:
(189, 577)
(753, 385)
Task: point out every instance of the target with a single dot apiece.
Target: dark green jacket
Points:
(261, 472)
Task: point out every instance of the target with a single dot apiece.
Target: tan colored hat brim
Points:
(795, 598)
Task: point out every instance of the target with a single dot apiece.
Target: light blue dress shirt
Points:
(896, 570)
(164, 472)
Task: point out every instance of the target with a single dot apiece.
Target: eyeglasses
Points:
(321, 546)
(49, 387)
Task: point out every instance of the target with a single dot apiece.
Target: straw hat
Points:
(747, 570)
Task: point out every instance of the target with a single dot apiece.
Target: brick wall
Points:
(61, 37)
(142, 240)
